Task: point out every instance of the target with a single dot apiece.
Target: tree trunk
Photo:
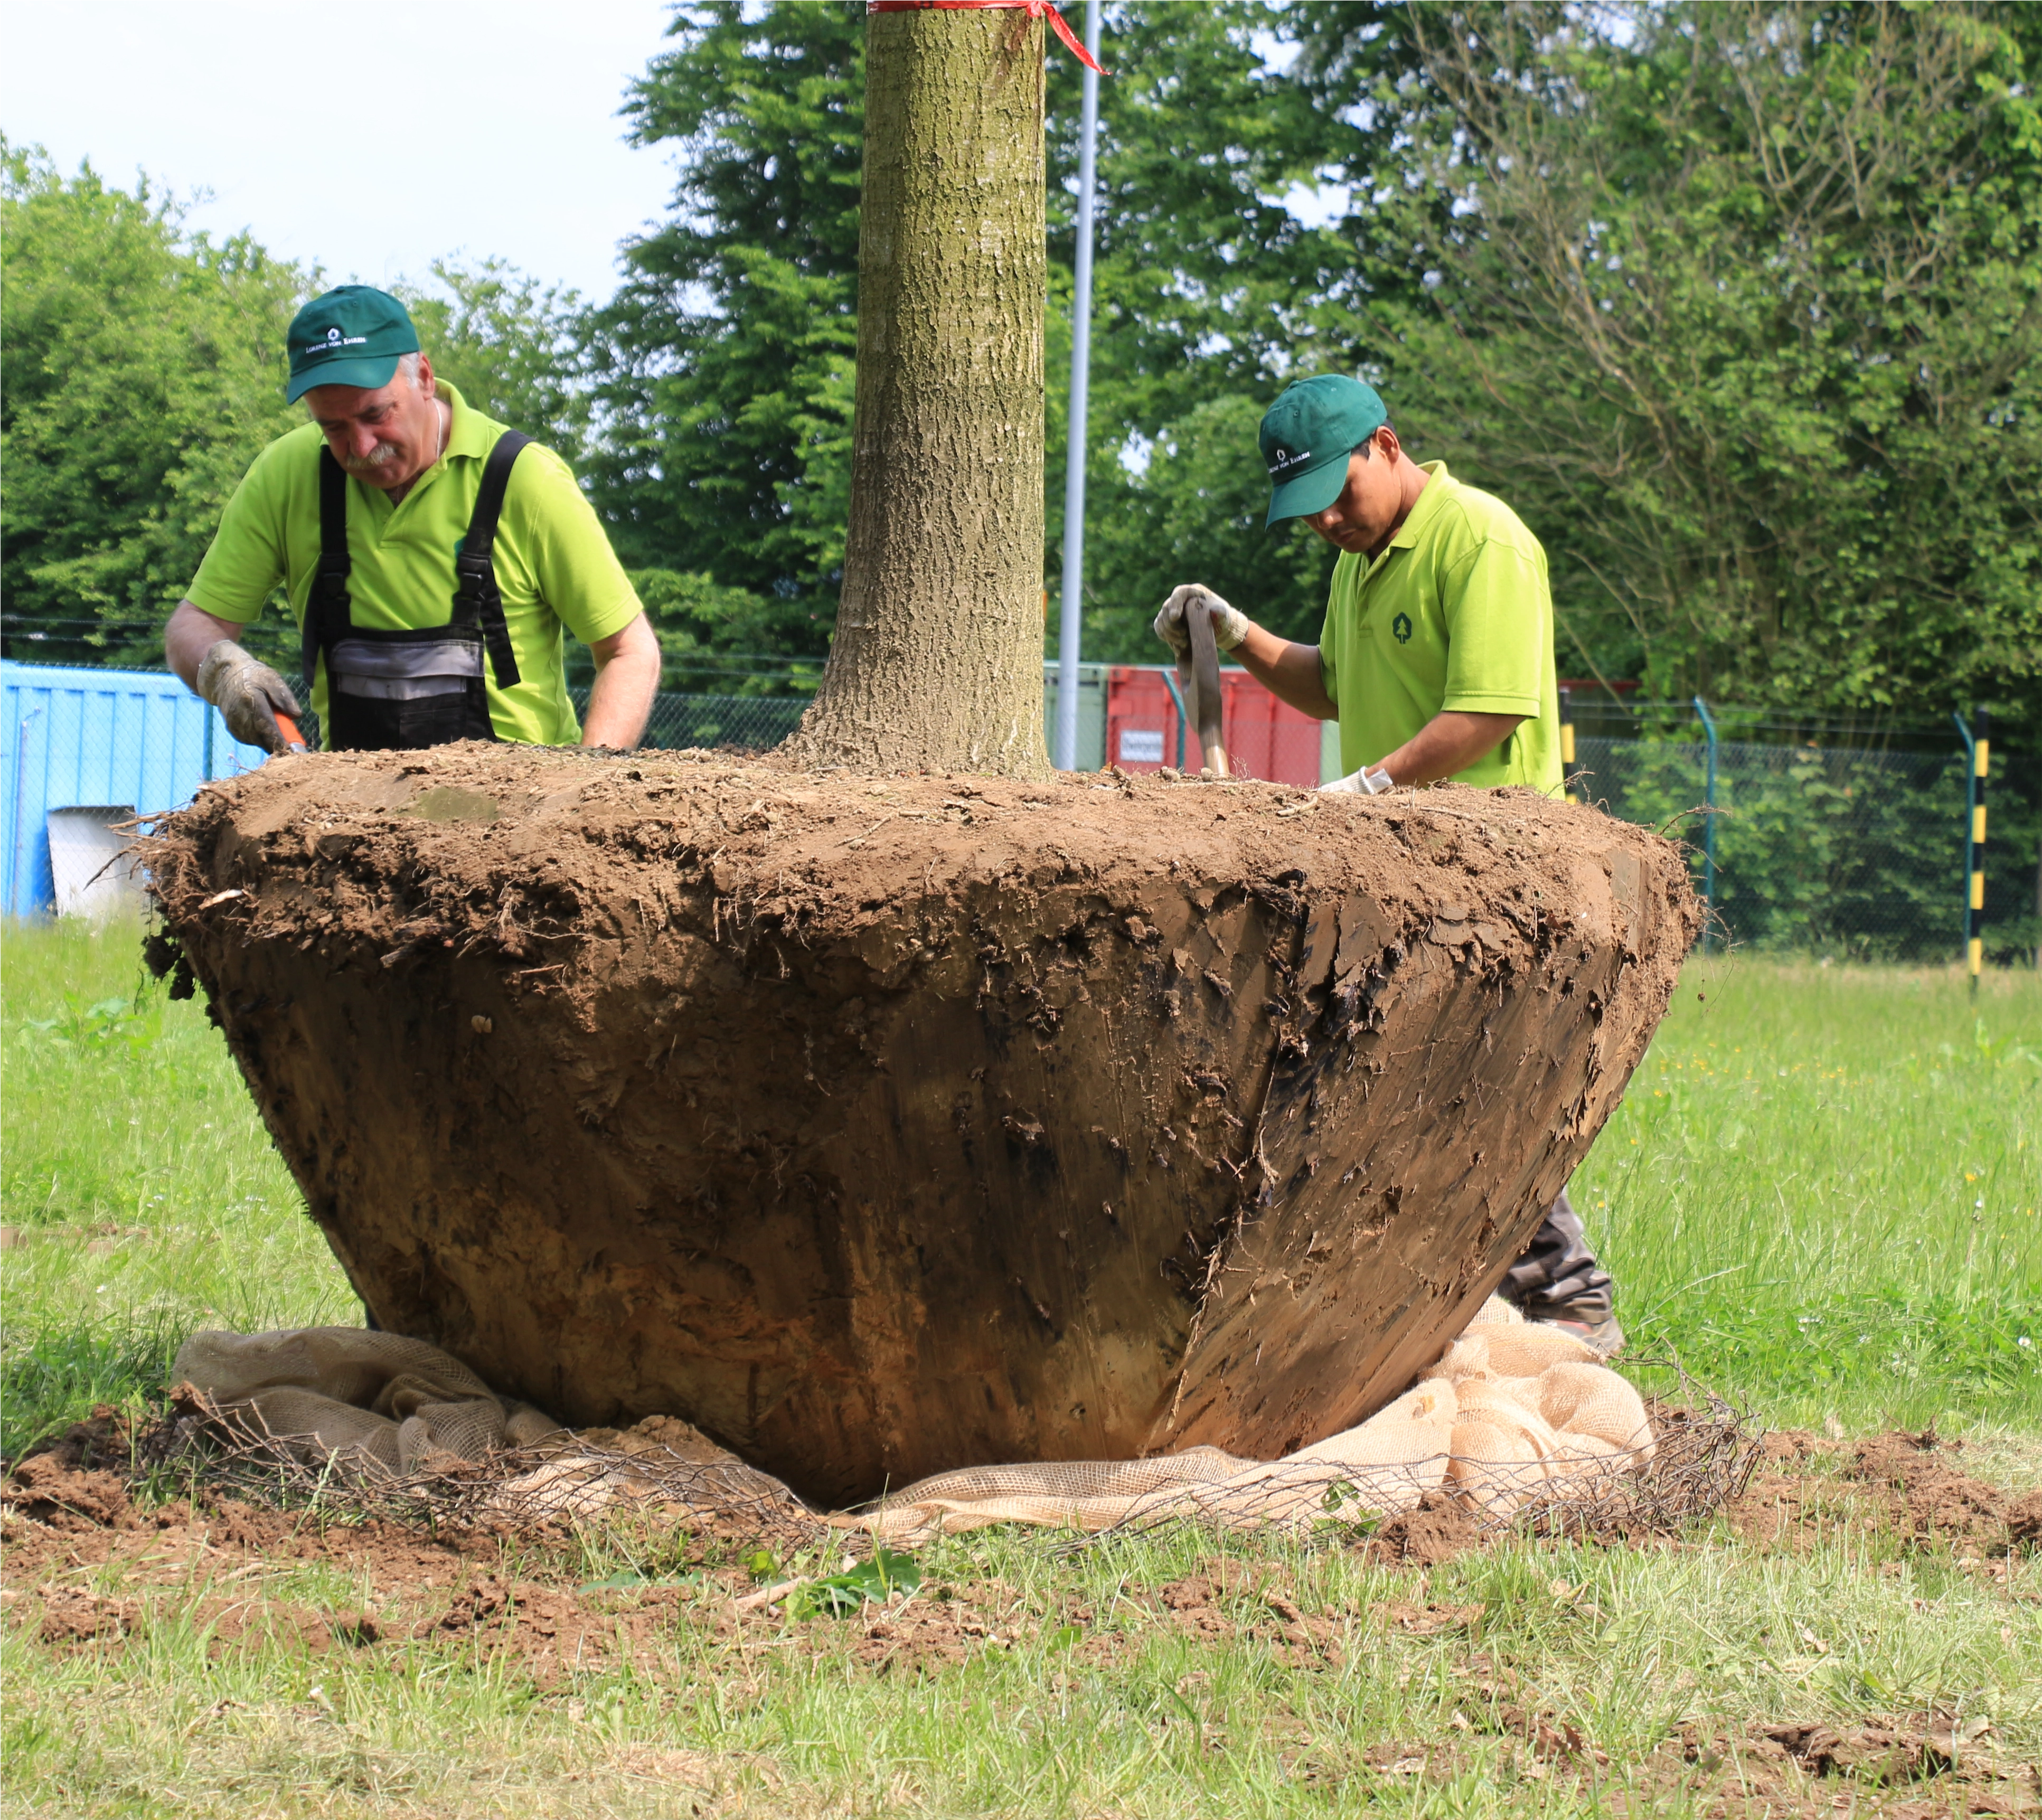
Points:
(937, 664)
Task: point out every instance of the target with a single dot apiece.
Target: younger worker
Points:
(431, 557)
(1436, 659)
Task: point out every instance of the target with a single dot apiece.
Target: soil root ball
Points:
(878, 1125)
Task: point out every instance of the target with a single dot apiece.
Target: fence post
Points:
(1978, 758)
(1567, 743)
(1184, 714)
(1708, 823)
(1970, 818)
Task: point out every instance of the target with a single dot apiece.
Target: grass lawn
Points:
(1823, 1194)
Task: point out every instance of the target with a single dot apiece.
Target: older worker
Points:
(1436, 659)
(431, 555)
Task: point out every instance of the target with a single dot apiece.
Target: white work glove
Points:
(1369, 781)
(248, 694)
(1230, 623)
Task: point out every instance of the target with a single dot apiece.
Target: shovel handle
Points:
(294, 741)
(1207, 700)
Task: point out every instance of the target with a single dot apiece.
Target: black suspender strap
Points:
(327, 606)
(475, 592)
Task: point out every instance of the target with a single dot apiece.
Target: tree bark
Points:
(937, 662)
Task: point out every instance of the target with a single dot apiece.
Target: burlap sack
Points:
(1511, 1411)
(371, 1402)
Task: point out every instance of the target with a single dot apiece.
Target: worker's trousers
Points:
(1559, 1274)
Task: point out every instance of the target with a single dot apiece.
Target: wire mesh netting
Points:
(749, 723)
(1831, 840)
(1700, 1455)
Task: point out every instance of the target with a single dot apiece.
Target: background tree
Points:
(1741, 306)
(725, 360)
(141, 368)
(512, 345)
(1206, 291)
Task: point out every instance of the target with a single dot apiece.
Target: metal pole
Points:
(1971, 820)
(1567, 742)
(1975, 843)
(1708, 823)
(1070, 629)
(1183, 713)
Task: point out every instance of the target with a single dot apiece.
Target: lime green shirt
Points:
(1455, 614)
(554, 564)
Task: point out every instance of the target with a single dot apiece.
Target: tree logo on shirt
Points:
(1401, 625)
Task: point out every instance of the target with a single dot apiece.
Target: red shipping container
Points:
(1265, 738)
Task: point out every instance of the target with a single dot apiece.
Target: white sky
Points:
(484, 128)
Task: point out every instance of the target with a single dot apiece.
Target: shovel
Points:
(1200, 678)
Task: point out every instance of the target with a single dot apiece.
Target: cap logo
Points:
(1284, 460)
(333, 334)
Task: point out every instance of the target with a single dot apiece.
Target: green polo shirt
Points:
(1455, 614)
(554, 564)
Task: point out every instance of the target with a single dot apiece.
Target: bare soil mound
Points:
(878, 1125)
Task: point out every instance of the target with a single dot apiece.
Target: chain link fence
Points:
(1839, 838)
(1831, 838)
(747, 723)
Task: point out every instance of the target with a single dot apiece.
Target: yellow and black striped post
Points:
(1566, 741)
(1980, 744)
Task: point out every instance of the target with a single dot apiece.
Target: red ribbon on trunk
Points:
(1034, 8)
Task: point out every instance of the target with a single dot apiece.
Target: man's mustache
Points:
(381, 456)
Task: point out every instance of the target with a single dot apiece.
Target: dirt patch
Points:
(45, 1490)
(1928, 1500)
(1113, 1100)
(1434, 1533)
(2024, 1522)
(1902, 1484)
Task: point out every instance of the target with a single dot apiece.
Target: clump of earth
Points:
(877, 1125)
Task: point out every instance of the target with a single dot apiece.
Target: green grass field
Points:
(1822, 1194)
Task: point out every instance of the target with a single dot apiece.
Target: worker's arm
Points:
(1289, 670)
(205, 651)
(1450, 742)
(627, 676)
(190, 634)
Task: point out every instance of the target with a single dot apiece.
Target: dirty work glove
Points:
(248, 694)
(1230, 623)
(1370, 780)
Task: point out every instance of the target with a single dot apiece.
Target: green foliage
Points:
(141, 369)
(1204, 287)
(1853, 852)
(725, 360)
(1741, 306)
(132, 1024)
(838, 1594)
(728, 353)
(694, 616)
(511, 346)
(1195, 512)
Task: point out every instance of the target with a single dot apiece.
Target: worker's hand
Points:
(249, 695)
(1370, 780)
(1230, 623)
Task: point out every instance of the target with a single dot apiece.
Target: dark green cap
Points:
(1307, 435)
(351, 336)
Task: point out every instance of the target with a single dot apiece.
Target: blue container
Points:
(72, 737)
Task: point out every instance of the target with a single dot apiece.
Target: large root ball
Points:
(877, 1125)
